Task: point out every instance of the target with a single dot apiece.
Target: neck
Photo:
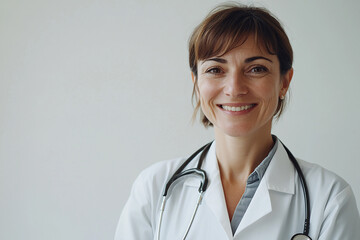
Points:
(239, 156)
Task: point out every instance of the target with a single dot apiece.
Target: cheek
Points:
(207, 90)
(270, 97)
(207, 94)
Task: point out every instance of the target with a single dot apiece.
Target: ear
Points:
(285, 83)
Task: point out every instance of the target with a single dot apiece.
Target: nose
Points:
(235, 85)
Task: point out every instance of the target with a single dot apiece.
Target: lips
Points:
(237, 107)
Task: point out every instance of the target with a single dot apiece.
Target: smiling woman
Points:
(251, 187)
(239, 91)
(224, 30)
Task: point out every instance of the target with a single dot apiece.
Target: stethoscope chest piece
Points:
(300, 236)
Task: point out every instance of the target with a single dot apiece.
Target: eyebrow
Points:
(248, 60)
(256, 58)
(219, 60)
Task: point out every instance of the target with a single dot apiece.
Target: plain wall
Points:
(92, 92)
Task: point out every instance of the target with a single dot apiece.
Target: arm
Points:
(135, 220)
(341, 218)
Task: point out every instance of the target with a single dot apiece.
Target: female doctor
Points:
(241, 63)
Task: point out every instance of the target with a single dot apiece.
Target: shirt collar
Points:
(260, 170)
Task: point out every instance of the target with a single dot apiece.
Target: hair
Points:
(228, 26)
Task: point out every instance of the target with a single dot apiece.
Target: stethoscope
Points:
(180, 172)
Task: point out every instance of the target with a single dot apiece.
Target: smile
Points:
(237, 109)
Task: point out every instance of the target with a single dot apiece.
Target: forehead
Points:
(223, 45)
(246, 47)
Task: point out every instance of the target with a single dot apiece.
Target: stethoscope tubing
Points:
(180, 172)
(305, 190)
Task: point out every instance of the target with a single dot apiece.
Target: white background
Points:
(92, 92)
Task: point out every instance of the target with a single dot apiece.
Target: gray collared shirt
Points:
(252, 184)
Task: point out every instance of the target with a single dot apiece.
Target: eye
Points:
(214, 70)
(258, 70)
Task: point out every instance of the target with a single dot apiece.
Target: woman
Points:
(241, 64)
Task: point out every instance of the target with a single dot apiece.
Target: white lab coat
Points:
(275, 212)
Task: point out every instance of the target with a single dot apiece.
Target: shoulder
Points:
(143, 202)
(319, 177)
(332, 204)
(147, 188)
(154, 177)
(161, 169)
(328, 191)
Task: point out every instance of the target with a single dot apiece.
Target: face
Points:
(239, 91)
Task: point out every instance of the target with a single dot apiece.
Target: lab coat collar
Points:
(278, 177)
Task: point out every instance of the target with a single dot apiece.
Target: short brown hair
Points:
(227, 26)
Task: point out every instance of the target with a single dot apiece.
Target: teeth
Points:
(237, 109)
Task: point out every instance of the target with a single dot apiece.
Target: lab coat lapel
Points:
(279, 177)
(214, 195)
(259, 206)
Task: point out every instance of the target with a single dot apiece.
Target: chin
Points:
(237, 131)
